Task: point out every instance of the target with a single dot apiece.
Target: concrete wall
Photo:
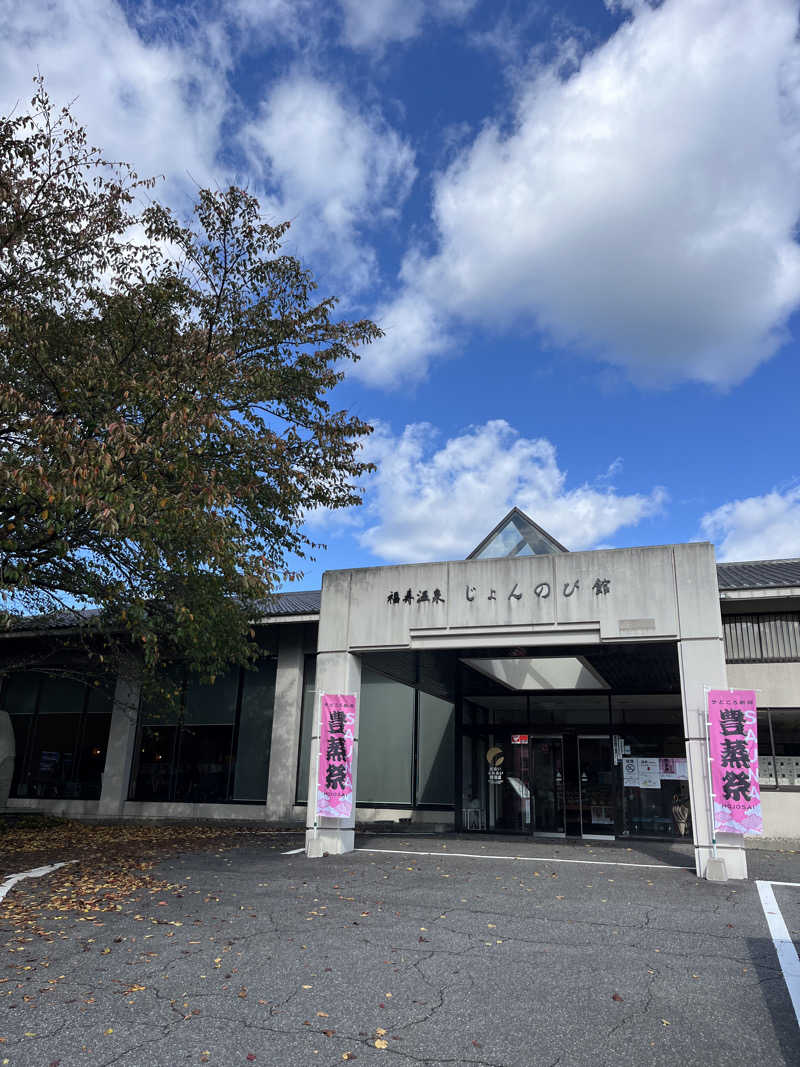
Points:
(781, 810)
(620, 594)
(121, 743)
(286, 724)
(777, 685)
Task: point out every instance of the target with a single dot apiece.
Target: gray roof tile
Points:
(759, 574)
(278, 605)
(300, 603)
(54, 620)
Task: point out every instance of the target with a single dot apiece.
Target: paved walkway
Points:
(639, 853)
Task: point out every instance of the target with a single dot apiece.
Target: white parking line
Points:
(293, 852)
(532, 859)
(784, 946)
(36, 872)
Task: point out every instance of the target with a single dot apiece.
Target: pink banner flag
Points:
(335, 779)
(733, 747)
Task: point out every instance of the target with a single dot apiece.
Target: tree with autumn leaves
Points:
(165, 414)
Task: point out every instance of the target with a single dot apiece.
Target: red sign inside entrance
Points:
(519, 739)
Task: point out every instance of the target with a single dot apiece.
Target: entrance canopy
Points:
(540, 672)
(619, 668)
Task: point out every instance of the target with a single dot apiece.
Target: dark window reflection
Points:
(156, 758)
(61, 731)
(210, 743)
(204, 763)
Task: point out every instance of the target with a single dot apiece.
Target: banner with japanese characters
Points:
(337, 731)
(733, 748)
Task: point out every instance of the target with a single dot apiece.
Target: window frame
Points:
(180, 725)
(22, 759)
(758, 631)
(775, 786)
(414, 790)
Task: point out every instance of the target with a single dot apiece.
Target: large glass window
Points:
(306, 727)
(385, 741)
(406, 740)
(61, 735)
(435, 741)
(766, 760)
(779, 748)
(209, 744)
(254, 741)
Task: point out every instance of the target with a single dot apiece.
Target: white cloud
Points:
(334, 168)
(159, 105)
(282, 18)
(758, 527)
(371, 24)
(429, 503)
(642, 208)
(414, 329)
(152, 87)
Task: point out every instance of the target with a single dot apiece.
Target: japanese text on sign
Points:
(733, 749)
(600, 587)
(337, 731)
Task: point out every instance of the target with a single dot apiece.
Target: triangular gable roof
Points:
(516, 535)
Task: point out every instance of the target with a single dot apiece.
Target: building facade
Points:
(526, 690)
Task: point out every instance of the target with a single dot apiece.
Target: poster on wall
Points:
(672, 769)
(733, 749)
(649, 772)
(335, 778)
(630, 772)
(667, 768)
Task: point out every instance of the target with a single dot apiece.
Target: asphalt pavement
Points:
(423, 950)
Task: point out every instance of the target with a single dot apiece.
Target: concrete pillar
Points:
(121, 743)
(337, 672)
(702, 666)
(286, 724)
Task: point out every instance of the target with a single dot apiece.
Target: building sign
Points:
(519, 739)
(515, 591)
(733, 748)
(495, 758)
(337, 731)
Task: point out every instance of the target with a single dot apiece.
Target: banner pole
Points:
(318, 725)
(706, 690)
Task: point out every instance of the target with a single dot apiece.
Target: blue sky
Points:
(575, 220)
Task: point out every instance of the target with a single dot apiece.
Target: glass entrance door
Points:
(514, 783)
(596, 778)
(547, 785)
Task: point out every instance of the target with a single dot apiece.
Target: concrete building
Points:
(511, 692)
